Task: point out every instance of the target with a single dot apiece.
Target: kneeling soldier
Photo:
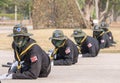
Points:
(88, 46)
(65, 52)
(31, 61)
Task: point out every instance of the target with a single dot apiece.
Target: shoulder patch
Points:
(33, 58)
(89, 45)
(67, 51)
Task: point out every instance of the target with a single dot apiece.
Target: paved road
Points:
(102, 69)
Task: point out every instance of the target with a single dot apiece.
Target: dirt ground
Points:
(105, 68)
(42, 37)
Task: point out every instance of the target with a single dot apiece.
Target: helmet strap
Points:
(83, 39)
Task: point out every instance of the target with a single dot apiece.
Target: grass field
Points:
(42, 38)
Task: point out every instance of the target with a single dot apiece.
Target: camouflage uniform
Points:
(89, 47)
(36, 62)
(102, 37)
(105, 26)
(65, 53)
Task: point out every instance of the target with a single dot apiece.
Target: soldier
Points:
(88, 46)
(102, 37)
(31, 61)
(105, 26)
(65, 52)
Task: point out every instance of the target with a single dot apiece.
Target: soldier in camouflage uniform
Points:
(88, 46)
(65, 52)
(31, 61)
(102, 37)
(105, 27)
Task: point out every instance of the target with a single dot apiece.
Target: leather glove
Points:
(6, 76)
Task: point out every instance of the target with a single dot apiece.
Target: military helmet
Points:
(58, 35)
(104, 25)
(20, 30)
(78, 33)
(97, 28)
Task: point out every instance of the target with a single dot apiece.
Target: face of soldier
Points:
(57, 43)
(97, 33)
(78, 40)
(20, 40)
(105, 29)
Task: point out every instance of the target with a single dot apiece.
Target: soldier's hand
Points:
(50, 54)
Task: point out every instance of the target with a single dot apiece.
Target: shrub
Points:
(11, 16)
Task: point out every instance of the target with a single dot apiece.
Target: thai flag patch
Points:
(89, 45)
(34, 58)
(67, 51)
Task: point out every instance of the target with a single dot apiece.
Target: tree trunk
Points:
(86, 14)
(40, 13)
(103, 14)
(55, 13)
(97, 9)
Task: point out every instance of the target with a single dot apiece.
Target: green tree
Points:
(115, 9)
(5, 4)
(8, 6)
(23, 7)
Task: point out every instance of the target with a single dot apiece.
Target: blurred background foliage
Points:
(7, 8)
(60, 12)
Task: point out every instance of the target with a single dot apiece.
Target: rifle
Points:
(7, 65)
(12, 66)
